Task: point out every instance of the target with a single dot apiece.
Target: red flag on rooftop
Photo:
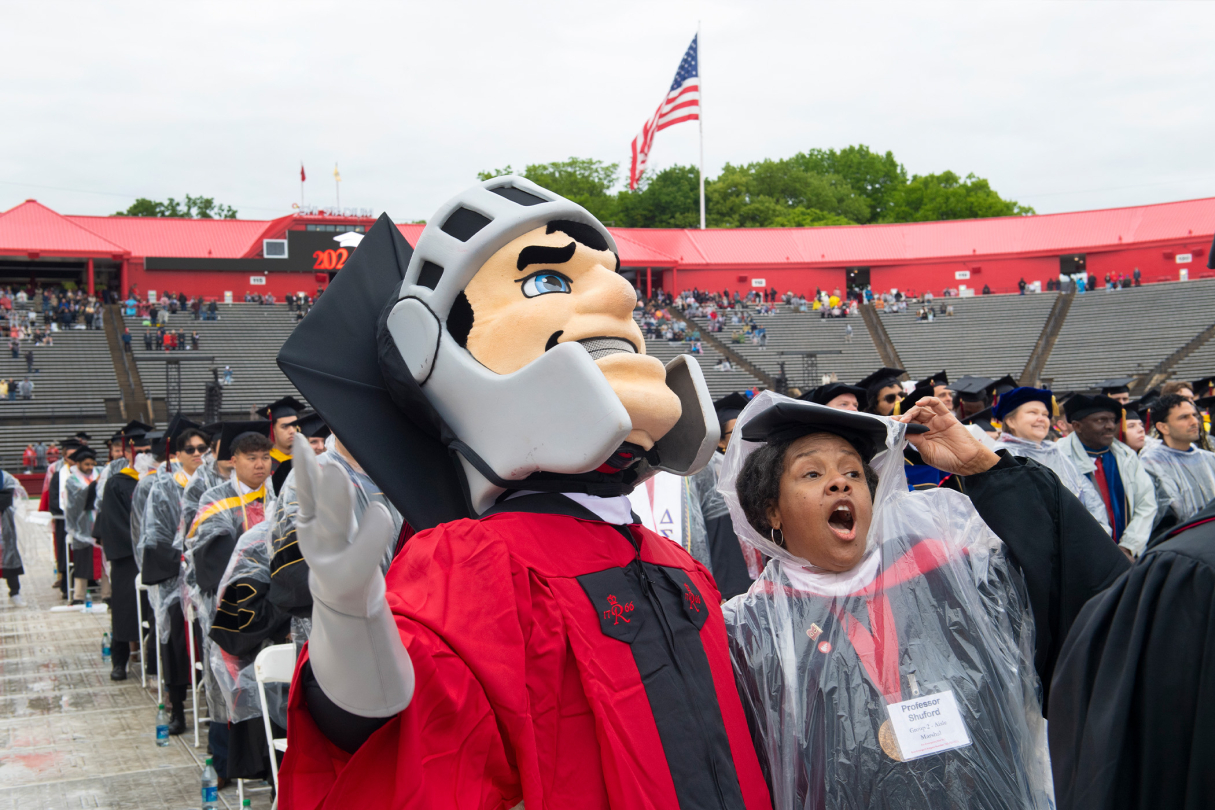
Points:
(303, 177)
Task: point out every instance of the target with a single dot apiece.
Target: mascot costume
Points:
(531, 645)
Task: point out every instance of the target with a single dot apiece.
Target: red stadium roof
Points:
(34, 228)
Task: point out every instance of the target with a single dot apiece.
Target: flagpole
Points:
(700, 122)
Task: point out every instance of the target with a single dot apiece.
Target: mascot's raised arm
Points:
(531, 643)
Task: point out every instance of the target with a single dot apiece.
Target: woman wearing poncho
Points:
(884, 656)
(1026, 414)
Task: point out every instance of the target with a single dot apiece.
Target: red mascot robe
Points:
(560, 661)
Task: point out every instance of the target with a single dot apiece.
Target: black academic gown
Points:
(1063, 554)
(1134, 690)
(113, 528)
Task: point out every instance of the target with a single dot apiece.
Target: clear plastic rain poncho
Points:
(139, 502)
(77, 519)
(206, 477)
(111, 468)
(12, 522)
(1185, 480)
(904, 683)
(200, 538)
(244, 623)
(1049, 455)
(156, 550)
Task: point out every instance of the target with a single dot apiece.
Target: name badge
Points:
(927, 725)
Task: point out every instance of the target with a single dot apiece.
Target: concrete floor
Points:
(69, 736)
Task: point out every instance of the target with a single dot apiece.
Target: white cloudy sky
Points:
(1062, 105)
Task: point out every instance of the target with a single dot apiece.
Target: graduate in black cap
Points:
(282, 415)
(972, 395)
(1117, 389)
(225, 512)
(839, 395)
(883, 391)
(314, 429)
(1134, 425)
(937, 386)
(159, 556)
(54, 488)
(113, 528)
(78, 518)
(1124, 485)
(853, 607)
(732, 565)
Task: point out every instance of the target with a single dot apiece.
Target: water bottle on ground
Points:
(210, 787)
(162, 727)
(88, 602)
(105, 647)
(246, 803)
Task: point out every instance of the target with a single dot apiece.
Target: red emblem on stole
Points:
(694, 600)
(616, 611)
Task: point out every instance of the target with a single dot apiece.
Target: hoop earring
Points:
(772, 536)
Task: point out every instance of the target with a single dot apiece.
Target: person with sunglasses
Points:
(883, 391)
(160, 559)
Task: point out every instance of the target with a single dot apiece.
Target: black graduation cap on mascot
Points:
(790, 420)
(231, 431)
(282, 408)
(825, 393)
(332, 357)
(381, 358)
(1115, 385)
(312, 425)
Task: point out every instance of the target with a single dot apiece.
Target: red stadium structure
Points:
(301, 252)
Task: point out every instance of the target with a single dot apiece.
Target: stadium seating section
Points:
(1106, 334)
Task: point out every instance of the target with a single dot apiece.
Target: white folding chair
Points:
(151, 637)
(195, 667)
(273, 665)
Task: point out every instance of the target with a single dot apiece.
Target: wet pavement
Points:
(69, 736)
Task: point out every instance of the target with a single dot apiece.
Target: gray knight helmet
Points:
(556, 415)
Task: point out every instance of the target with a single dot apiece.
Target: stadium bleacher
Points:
(792, 331)
(14, 438)
(246, 338)
(1127, 332)
(987, 336)
(72, 377)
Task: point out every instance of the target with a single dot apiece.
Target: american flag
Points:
(681, 104)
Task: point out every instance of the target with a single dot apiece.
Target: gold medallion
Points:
(889, 743)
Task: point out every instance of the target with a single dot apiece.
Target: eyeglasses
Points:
(194, 449)
(890, 399)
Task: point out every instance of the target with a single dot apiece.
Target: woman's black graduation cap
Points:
(785, 421)
(1115, 385)
(881, 375)
(332, 357)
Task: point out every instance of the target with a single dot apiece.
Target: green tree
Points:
(874, 176)
(666, 199)
(586, 181)
(932, 197)
(192, 208)
(766, 195)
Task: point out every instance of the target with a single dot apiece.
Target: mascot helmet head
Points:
(514, 324)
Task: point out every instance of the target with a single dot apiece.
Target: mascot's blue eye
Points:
(544, 283)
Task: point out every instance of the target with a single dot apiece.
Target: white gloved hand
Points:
(355, 649)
